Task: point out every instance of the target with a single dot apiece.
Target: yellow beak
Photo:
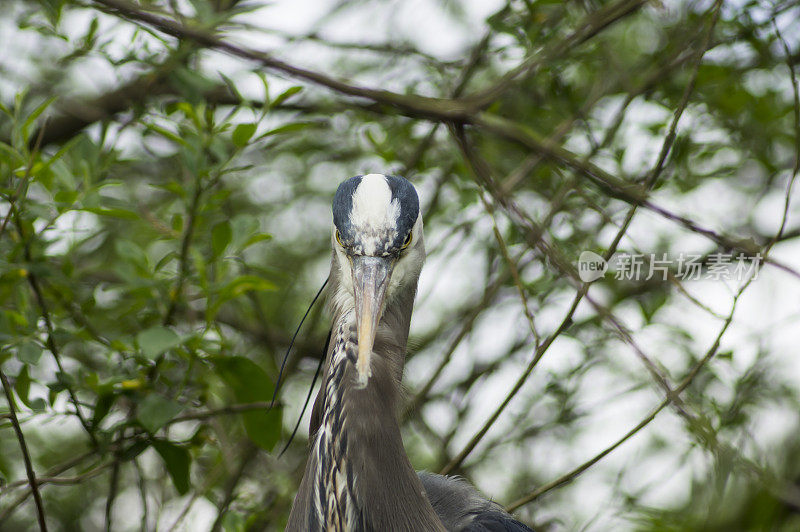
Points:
(370, 279)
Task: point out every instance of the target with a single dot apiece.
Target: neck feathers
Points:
(335, 504)
(358, 476)
(362, 478)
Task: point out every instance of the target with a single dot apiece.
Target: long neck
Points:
(360, 475)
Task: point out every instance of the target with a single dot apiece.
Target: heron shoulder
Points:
(461, 508)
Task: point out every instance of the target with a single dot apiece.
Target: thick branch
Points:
(414, 105)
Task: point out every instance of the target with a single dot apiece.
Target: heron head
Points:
(378, 248)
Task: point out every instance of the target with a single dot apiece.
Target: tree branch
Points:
(60, 481)
(413, 105)
(26, 457)
(687, 380)
(590, 26)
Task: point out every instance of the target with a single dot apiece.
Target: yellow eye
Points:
(338, 238)
(407, 242)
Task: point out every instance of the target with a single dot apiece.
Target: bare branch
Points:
(59, 481)
(569, 477)
(26, 457)
(225, 410)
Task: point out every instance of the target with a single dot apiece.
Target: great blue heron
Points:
(358, 476)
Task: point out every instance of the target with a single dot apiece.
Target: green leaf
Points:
(242, 134)
(90, 34)
(288, 128)
(265, 107)
(66, 197)
(264, 428)
(248, 381)
(112, 212)
(101, 408)
(131, 252)
(234, 522)
(725, 355)
(13, 156)
(23, 388)
(167, 134)
(155, 411)
(156, 340)
(23, 384)
(232, 87)
(285, 95)
(134, 450)
(251, 384)
(29, 352)
(177, 460)
(244, 284)
(243, 227)
(191, 82)
(38, 111)
(260, 237)
(237, 287)
(65, 379)
(220, 237)
(171, 255)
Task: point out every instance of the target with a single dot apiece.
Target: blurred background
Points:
(167, 168)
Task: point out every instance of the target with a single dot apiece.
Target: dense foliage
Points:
(165, 222)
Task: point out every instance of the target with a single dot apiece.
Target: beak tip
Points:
(363, 369)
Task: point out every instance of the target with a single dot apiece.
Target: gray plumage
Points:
(358, 476)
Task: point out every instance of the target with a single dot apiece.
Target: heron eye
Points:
(339, 238)
(407, 242)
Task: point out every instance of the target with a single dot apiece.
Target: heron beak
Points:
(370, 279)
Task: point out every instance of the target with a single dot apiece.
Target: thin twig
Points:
(564, 479)
(556, 205)
(512, 267)
(796, 95)
(467, 322)
(59, 481)
(225, 410)
(113, 485)
(142, 492)
(230, 487)
(687, 380)
(634, 194)
(481, 171)
(26, 457)
(51, 343)
(53, 471)
(183, 260)
(587, 28)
